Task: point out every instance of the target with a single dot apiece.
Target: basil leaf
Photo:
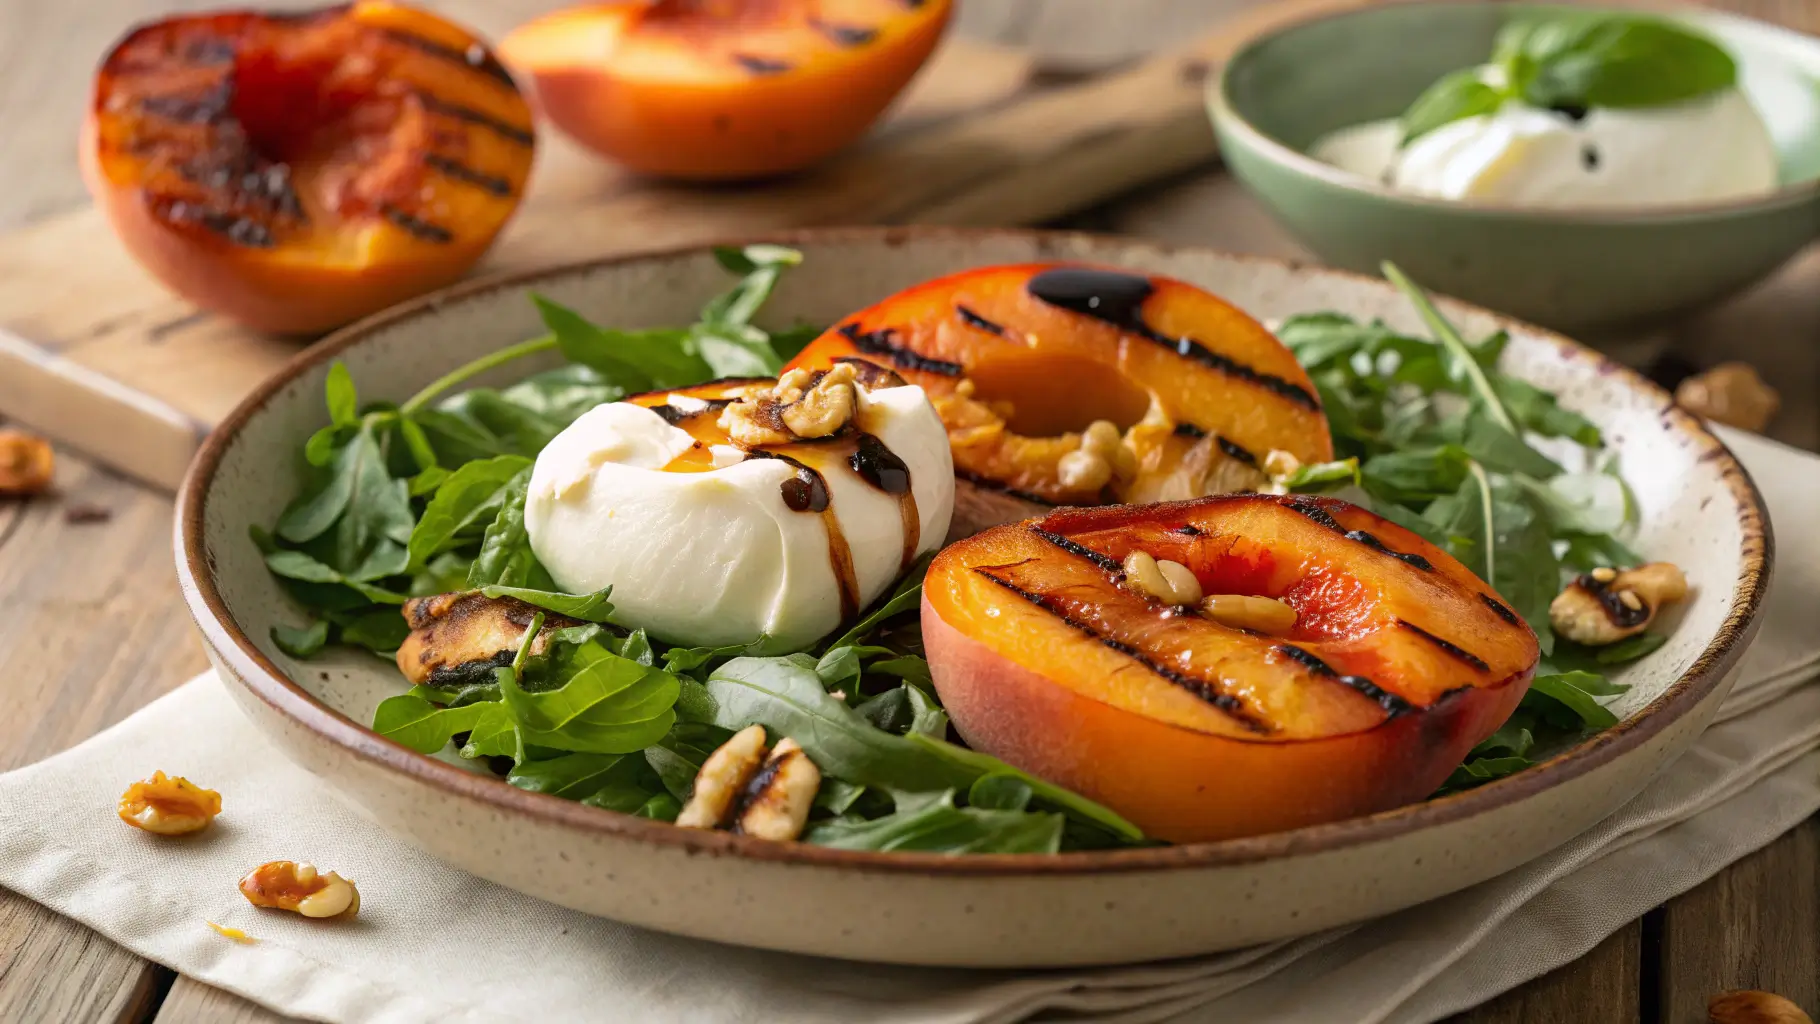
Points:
(1598, 59)
(762, 265)
(416, 723)
(1454, 97)
(302, 643)
(505, 556)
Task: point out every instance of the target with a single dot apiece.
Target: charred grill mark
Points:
(972, 319)
(490, 183)
(206, 50)
(1237, 451)
(871, 375)
(511, 132)
(1118, 299)
(1189, 529)
(1620, 614)
(844, 35)
(1106, 562)
(1188, 430)
(1313, 510)
(987, 483)
(415, 226)
(883, 342)
(1377, 545)
(762, 65)
(467, 673)
(207, 107)
(1497, 608)
(1390, 702)
(234, 227)
(246, 178)
(1447, 645)
(754, 791)
(1201, 688)
(474, 56)
(676, 417)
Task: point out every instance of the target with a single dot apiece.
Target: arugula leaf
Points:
(381, 630)
(505, 557)
(998, 793)
(605, 704)
(786, 696)
(907, 595)
(940, 827)
(343, 402)
(688, 659)
(574, 776)
(302, 643)
(298, 566)
(587, 607)
(904, 709)
(761, 266)
(649, 360)
(675, 769)
(1578, 692)
(465, 503)
(1630, 649)
(422, 726)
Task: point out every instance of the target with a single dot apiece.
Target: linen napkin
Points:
(434, 943)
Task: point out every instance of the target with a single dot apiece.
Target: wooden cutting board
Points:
(97, 355)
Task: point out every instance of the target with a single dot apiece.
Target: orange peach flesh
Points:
(1197, 731)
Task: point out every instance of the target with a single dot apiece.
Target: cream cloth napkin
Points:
(432, 943)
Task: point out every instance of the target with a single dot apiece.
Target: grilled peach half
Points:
(297, 171)
(726, 89)
(1022, 360)
(1398, 662)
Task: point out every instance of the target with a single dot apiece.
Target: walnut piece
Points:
(741, 788)
(827, 405)
(26, 463)
(722, 777)
(802, 404)
(1605, 606)
(1744, 1006)
(1732, 394)
(169, 805)
(299, 888)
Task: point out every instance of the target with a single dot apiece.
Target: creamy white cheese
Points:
(1708, 149)
(716, 558)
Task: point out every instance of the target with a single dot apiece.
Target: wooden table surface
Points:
(91, 626)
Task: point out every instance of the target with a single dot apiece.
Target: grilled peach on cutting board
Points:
(1398, 662)
(297, 171)
(1020, 360)
(724, 89)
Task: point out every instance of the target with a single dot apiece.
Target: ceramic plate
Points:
(1699, 510)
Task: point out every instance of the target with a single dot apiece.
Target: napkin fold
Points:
(434, 943)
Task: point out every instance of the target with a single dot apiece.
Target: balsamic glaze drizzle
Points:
(1118, 299)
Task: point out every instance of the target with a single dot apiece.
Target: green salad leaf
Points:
(938, 826)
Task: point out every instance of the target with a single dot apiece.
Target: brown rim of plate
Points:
(268, 682)
(1225, 117)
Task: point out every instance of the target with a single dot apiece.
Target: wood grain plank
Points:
(92, 628)
(192, 1002)
(1598, 988)
(1755, 925)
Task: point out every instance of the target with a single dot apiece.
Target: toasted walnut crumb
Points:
(721, 778)
(1581, 614)
(299, 888)
(1732, 394)
(1083, 471)
(169, 805)
(26, 463)
(740, 787)
(828, 405)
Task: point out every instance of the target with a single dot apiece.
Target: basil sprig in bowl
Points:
(1590, 271)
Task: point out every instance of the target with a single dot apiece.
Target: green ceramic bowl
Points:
(1592, 272)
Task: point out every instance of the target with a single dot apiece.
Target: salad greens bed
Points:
(427, 497)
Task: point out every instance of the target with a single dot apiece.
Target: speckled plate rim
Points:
(1227, 119)
(269, 683)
